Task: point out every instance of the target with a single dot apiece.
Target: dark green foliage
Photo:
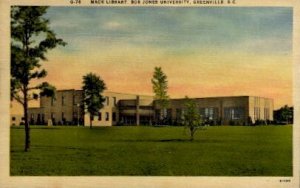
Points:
(191, 117)
(92, 87)
(146, 151)
(284, 115)
(31, 38)
(160, 88)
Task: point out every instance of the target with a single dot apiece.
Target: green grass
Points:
(156, 151)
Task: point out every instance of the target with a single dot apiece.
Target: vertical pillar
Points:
(137, 110)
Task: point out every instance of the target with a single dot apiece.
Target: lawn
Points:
(155, 151)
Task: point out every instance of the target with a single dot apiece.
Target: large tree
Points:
(92, 88)
(284, 114)
(31, 38)
(191, 117)
(160, 89)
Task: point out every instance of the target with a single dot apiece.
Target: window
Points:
(52, 101)
(114, 116)
(157, 114)
(107, 101)
(13, 118)
(39, 117)
(106, 116)
(99, 116)
(62, 100)
(178, 113)
(208, 113)
(169, 113)
(52, 115)
(62, 115)
(115, 101)
(266, 113)
(234, 113)
(256, 113)
(32, 116)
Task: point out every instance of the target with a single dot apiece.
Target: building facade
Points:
(129, 109)
(63, 109)
(236, 110)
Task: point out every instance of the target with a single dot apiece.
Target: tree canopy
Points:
(31, 39)
(191, 117)
(160, 88)
(92, 88)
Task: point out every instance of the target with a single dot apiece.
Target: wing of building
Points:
(130, 109)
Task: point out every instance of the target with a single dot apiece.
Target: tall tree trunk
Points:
(192, 133)
(27, 128)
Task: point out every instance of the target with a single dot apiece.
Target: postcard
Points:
(149, 93)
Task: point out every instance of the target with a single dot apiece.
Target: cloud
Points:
(113, 25)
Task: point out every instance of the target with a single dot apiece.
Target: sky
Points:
(204, 51)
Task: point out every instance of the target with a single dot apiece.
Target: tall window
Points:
(52, 101)
(106, 116)
(114, 116)
(115, 101)
(266, 114)
(157, 113)
(169, 113)
(107, 101)
(178, 113)
(99, 116)
(234, 113)
(43, 117)
(256, 113)
(62, 100)
(208, 113)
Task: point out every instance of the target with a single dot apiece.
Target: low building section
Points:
(239, 110)
(129, 109)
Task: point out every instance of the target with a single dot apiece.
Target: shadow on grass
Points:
(171, 141)
(39, 128)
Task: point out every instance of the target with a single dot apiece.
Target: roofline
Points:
(170, 98)
(60, 90)
(128, 94)
(35, 107)
(66, 90)
(214, 97)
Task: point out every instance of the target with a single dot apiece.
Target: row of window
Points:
(114, 116)
(207, 113)
(63, 101)
(13, 118)
(42, 116)
(234, 113)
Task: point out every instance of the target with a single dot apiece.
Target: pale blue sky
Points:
(176, 29)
